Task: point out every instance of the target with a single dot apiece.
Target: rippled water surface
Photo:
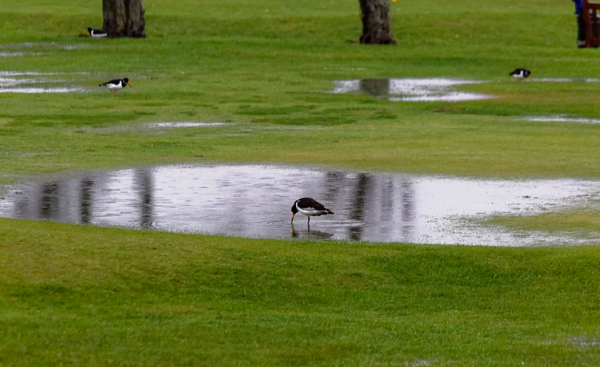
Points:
(255, 201)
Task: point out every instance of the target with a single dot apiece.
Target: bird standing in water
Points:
(309, 207)
(115, 84)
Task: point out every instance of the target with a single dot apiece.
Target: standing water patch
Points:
(34, 82)
(575, 120)
(255, 201)
(411, 89)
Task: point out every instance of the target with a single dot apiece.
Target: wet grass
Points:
(240, 63)
(94, 296)
(582, 221)
(81, 295)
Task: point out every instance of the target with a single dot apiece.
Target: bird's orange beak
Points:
(129, 84)
(293, 215)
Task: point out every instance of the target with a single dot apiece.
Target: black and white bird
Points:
(96, 33)
(115, 84)
(309, 207)
(520, 74)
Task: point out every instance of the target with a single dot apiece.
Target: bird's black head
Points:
(126, 80)
(90, 30)
(294, 209)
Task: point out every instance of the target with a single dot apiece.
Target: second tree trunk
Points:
(124, 18)
(375, 16)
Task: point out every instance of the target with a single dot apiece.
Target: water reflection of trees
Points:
(144, 186)
(357, 206)
(368, 206)
(86, 198)
(375, 87)
(376, 206)
(72, 200)
(408, 210)
(49, 201)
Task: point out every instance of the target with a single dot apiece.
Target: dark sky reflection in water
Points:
(255, 201)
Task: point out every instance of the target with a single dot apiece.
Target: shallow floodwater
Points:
(175, 125)
(34, 82)
(255, 201)
(411, 89)
(561, 119)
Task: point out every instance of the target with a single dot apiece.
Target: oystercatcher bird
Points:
(309, 207)
(96, 33)
(115, 84)
(520, 74)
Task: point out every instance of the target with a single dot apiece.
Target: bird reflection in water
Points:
(311, 235)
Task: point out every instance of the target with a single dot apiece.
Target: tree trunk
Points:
(376, 22)
(124, 18)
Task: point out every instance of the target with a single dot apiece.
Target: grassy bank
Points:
(76, 295)
(90, 296)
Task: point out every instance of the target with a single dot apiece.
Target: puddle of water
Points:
(563, 80)
(255, 201)
(411, 89)
(158, 125)
(561, 119)
(42, 45)
(17, 54)
(35, 82)
(31, 90)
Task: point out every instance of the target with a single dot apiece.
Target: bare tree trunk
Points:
(124, 18)
(375, 16)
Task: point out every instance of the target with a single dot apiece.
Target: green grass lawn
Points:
(77, 295)
(88, 296)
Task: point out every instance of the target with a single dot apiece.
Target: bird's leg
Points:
(309, 221)
(293, 215)
(114, 91)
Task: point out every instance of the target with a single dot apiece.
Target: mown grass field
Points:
(78, 295)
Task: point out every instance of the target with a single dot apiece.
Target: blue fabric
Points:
(578, 6)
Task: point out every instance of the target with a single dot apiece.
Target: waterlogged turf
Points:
(79, 295)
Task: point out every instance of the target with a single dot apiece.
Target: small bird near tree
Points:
(96, 33)
(520, 74)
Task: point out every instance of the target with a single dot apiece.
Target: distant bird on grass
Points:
(520, 74)
(96, 33)
(115, 84)
(309, 207)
